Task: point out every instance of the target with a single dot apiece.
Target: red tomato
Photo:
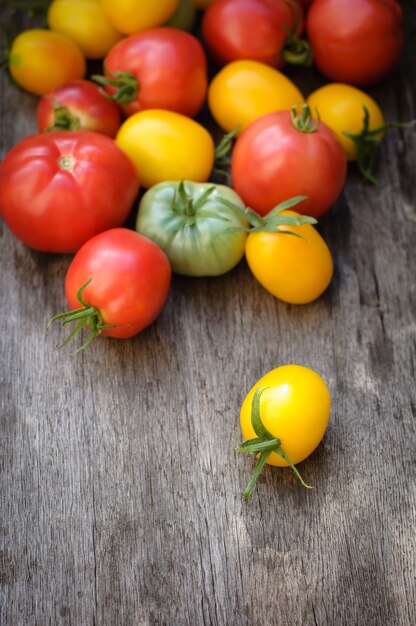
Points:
(273, 161)
(248, 29)
(78, 105)
(355, 41)
(162, 68)
(116, 285)
(58, 189)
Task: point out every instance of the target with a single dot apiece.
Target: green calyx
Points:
(222, 153)
(63, 119)
(263, 445)
(296, 51)
(274, 220)
(367, 142)
(85, 315)
(182, 204)
(302, 119)
(125, 83)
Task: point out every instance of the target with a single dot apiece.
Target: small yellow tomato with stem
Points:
(85, 23)
(283, 418)
(244, 90)
(167, 146)
(132, 16)
(40, 60)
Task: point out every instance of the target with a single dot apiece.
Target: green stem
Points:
(63, 119)
(302, 120)
(296, 51)
(125, 83)
(265, 443)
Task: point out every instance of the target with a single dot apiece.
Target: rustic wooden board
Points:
(120, 485)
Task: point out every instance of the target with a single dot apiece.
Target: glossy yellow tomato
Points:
(84, 22)
(242, 91)
(166, 146)
(41, 60)
(132, 16)
(294, 269)
(340, 107)
(294, 408)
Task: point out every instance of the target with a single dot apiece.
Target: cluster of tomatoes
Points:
(134, 128)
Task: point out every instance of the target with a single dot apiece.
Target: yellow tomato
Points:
(242, 91)
(84, 22)
(294, 408)
(131, 16)
(340, 107)
(41, 60)
(294, 269)
(166, 146)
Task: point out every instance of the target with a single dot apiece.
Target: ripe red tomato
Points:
(118, 283)
(355, 41)
(249, 29)
(162, 68)
(58, 189)
(274, 160)
(78, 105)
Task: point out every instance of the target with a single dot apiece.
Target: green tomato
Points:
(199, 233)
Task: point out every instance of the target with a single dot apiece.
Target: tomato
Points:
(84, 22)
(116, 285)
(250, 29)
(294, 269)
(163, 68)
(341, 107)
(58, 189)
(164, 145)
(242, 91)
(78, 105)
(201, 236)
(131, 16)
(355, 41)
(282, 155)
(41, 60)
(184, 16)
(286, 412)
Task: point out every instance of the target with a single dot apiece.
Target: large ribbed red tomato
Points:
(355, 41)
(58, 189)
(282, 155)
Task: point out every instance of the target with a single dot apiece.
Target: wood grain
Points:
(120, 484)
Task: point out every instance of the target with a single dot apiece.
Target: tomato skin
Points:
(84, 100)
(196, 235)
(59, 189)
(273, 161)
(242, 91)
(340, 107)
(130, 280)
(166, 146)
(294, 408)
(41, 60)
(131, 16)
(296, 270)
(84, 22)
(248, 29)
(170, 67)
(355, 41)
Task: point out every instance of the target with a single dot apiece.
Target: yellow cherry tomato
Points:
(164, 145)
(41, 60)
(294, 407)
(340, 107)
(243, 90)
(84, 22)
(294, 269)
(131, 16)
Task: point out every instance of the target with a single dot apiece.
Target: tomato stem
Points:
(186, 205)
(63, 119)
(125, 83)
(264, 444)
(367, 142)
(86, 315)
(302, 120)
(296, 51)
(222, 154)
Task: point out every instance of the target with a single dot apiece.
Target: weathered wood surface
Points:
(120, 485)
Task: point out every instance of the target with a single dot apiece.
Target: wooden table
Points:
(120, 483)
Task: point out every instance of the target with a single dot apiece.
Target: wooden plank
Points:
(120, 484)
